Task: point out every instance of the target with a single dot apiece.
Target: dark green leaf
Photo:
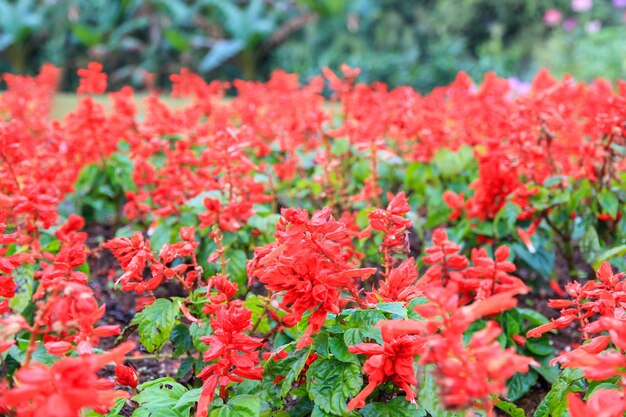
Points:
(519, 384)
(609, 202)
(181, 340)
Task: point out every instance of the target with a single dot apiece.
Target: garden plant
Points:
(332, 248)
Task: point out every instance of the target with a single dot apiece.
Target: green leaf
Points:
(162, 234)
(506, 219)
(86, 35)
(397, 407)
(186, 365)
(188, 399)
(236, 266)
(590, 244)
(519, 384)
(608, 255)
(339, 349)
(533, 317)
(196, 333)
(221, 52)
(177, 39)
(266, 223)
(539, 346)
(156, 323)
(241, 406)
(181, 340)
(393, 308)
(23, 278)
(554, 404)
(542, 261)
(450, 164)
(549, 373)
(162, 396)
(289, 368)
(256, 305)
(511, 409)
(340, 146)
(609, 202)
(429, 399)
(597, 385)
(359, 335)
(332, 383)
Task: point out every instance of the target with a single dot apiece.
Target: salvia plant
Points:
(378, 253)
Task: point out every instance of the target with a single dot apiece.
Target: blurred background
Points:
(401, 42)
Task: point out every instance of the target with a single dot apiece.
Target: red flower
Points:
(7, 286)
(392, 222)
(400, 284)
(92, 79)
(308, 265)
(456, 202)
(602, 403)
(68, 387)
(446, 264)
(491, 276)
(126, 375)
(236, 354)
(393, 360)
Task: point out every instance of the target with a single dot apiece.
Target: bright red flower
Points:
(391, 361)
(68, 387)
(126, 375)
(400, 284)
(308, 265)
(446, 263)
(92, 79)
(602, 403)
(236, 354)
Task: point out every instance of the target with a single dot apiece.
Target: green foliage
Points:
(164, 396)
(332, 383)
(396, 407)
(155, 323)
(554, 403)
(113, 412)
(289, 368)
(239, 406)
(394, 41)
(510, 409)
(428, 398)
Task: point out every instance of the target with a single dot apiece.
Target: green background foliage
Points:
(417, 43)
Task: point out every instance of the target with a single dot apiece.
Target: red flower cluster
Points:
(394, 361)
(92, 79)
(394, 226)
(309, 264)
(467, 374)
(67, 388)
(135, 256)
(485, 278)
(236, 353)
(597, 306)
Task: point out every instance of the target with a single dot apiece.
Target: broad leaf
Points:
(156, 322)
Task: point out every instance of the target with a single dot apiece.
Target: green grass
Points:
(64, 103)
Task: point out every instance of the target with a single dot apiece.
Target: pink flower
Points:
(570, 24)
(552, 17)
